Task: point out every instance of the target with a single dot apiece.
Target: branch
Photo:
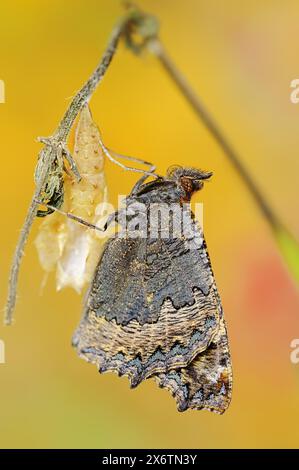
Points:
(146, 28)
(55, 146)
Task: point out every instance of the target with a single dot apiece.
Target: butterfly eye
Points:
(187, 184)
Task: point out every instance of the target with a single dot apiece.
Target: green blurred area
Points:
(290, 251)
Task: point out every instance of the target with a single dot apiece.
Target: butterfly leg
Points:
(111, 218)
(112, 156)
(144, 177)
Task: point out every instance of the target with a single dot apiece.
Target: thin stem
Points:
(155, 46)
(47, 157)
(85, 93)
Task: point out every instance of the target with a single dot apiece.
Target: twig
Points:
(46, 154)
(155, 46)
(146, 27)
(55, 145)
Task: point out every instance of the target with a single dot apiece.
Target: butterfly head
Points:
(189, 179)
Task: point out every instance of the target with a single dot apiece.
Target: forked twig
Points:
(55, 147)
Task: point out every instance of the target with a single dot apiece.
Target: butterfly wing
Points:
(152, 307)
(206, 383)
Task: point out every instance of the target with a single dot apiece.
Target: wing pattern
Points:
(153, 310)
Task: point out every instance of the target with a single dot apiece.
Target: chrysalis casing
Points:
(62, 243)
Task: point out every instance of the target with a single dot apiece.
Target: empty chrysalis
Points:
(62, 244)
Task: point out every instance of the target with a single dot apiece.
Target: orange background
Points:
(240, 57)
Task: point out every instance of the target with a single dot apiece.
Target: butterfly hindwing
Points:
(206, 383)
(161, 312)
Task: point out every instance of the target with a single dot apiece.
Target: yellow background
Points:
(240, 57)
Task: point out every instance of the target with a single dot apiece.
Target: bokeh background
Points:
(240, 57)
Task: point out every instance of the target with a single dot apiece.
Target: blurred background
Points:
(240, 57)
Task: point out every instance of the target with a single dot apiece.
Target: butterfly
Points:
(153, 308)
